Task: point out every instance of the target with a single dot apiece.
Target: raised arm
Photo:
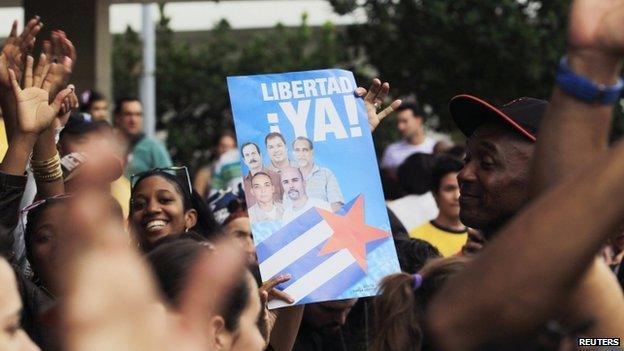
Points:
(13, 56)
(35, 117)
(545, 253)
(574, 132)
(53, 71)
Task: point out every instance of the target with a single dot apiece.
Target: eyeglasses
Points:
(177, 171)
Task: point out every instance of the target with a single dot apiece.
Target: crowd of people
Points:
(513, 242)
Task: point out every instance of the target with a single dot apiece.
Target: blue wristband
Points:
(584, 89)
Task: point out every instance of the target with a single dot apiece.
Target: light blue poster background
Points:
(352, 159)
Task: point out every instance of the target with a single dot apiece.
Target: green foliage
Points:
(497, 49)
(435, 49)
(192, 98)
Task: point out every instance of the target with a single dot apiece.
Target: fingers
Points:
(27, 38)
(68, 49)
(14, 83)
(60, 98)
(359, 91)
(13, 33)
(28, 74)
(385, 88)
(56, 45)
(39, 71)
(373, 91)
(280, 295)
(388, 110)
(275, 281)
(73, 98)
(48, 80)
(269, 287)
(46, 48)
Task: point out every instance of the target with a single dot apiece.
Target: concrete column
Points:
(86, 25)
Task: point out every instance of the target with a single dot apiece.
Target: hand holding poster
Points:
(313, 192)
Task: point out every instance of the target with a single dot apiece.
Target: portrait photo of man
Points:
(321, 183)
(293, 183)
(265, 208)
(253, 160)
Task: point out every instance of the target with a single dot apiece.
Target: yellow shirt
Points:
(448, 242)
(4, 145)
(120, 190)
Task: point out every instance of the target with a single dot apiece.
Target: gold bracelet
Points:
(45, 163)
(49, 177)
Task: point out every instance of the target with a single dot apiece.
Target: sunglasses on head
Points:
(180, 172)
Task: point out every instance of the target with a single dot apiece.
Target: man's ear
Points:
(220, 337)
(190, 218)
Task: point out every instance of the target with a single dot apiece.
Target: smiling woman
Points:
(161, 205)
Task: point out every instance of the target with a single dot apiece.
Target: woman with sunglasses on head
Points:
(161, 204)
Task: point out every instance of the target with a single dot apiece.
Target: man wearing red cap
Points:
(494, 181)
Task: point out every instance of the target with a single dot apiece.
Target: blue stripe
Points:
(305, 264)
(336, 285)
(293, 230)
(288, 233)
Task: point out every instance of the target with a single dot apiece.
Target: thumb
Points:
(60, 97)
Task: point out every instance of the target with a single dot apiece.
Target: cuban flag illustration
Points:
(324, 252)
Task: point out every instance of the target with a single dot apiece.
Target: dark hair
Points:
(206, 224)
(415, 108)
(304, 139)
(414, 253)
(414, 173)
(457, 151)
(400, 309)
(444, 164)
(89, 97)
(171, 263)
(274, 135)
(119, 103)
(250, 143)
(77, 127)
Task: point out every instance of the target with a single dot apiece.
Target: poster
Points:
(312, 184)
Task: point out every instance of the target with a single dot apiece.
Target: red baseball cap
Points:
(523, 115)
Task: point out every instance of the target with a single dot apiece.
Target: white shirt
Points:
(397, 152)
(414, 210)
(290, 213)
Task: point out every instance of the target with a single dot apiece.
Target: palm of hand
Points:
(35, 113)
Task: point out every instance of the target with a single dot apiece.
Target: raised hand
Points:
(373, 98)
(15, 50)
(268, 291)
(59, 49)
(34, 113)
